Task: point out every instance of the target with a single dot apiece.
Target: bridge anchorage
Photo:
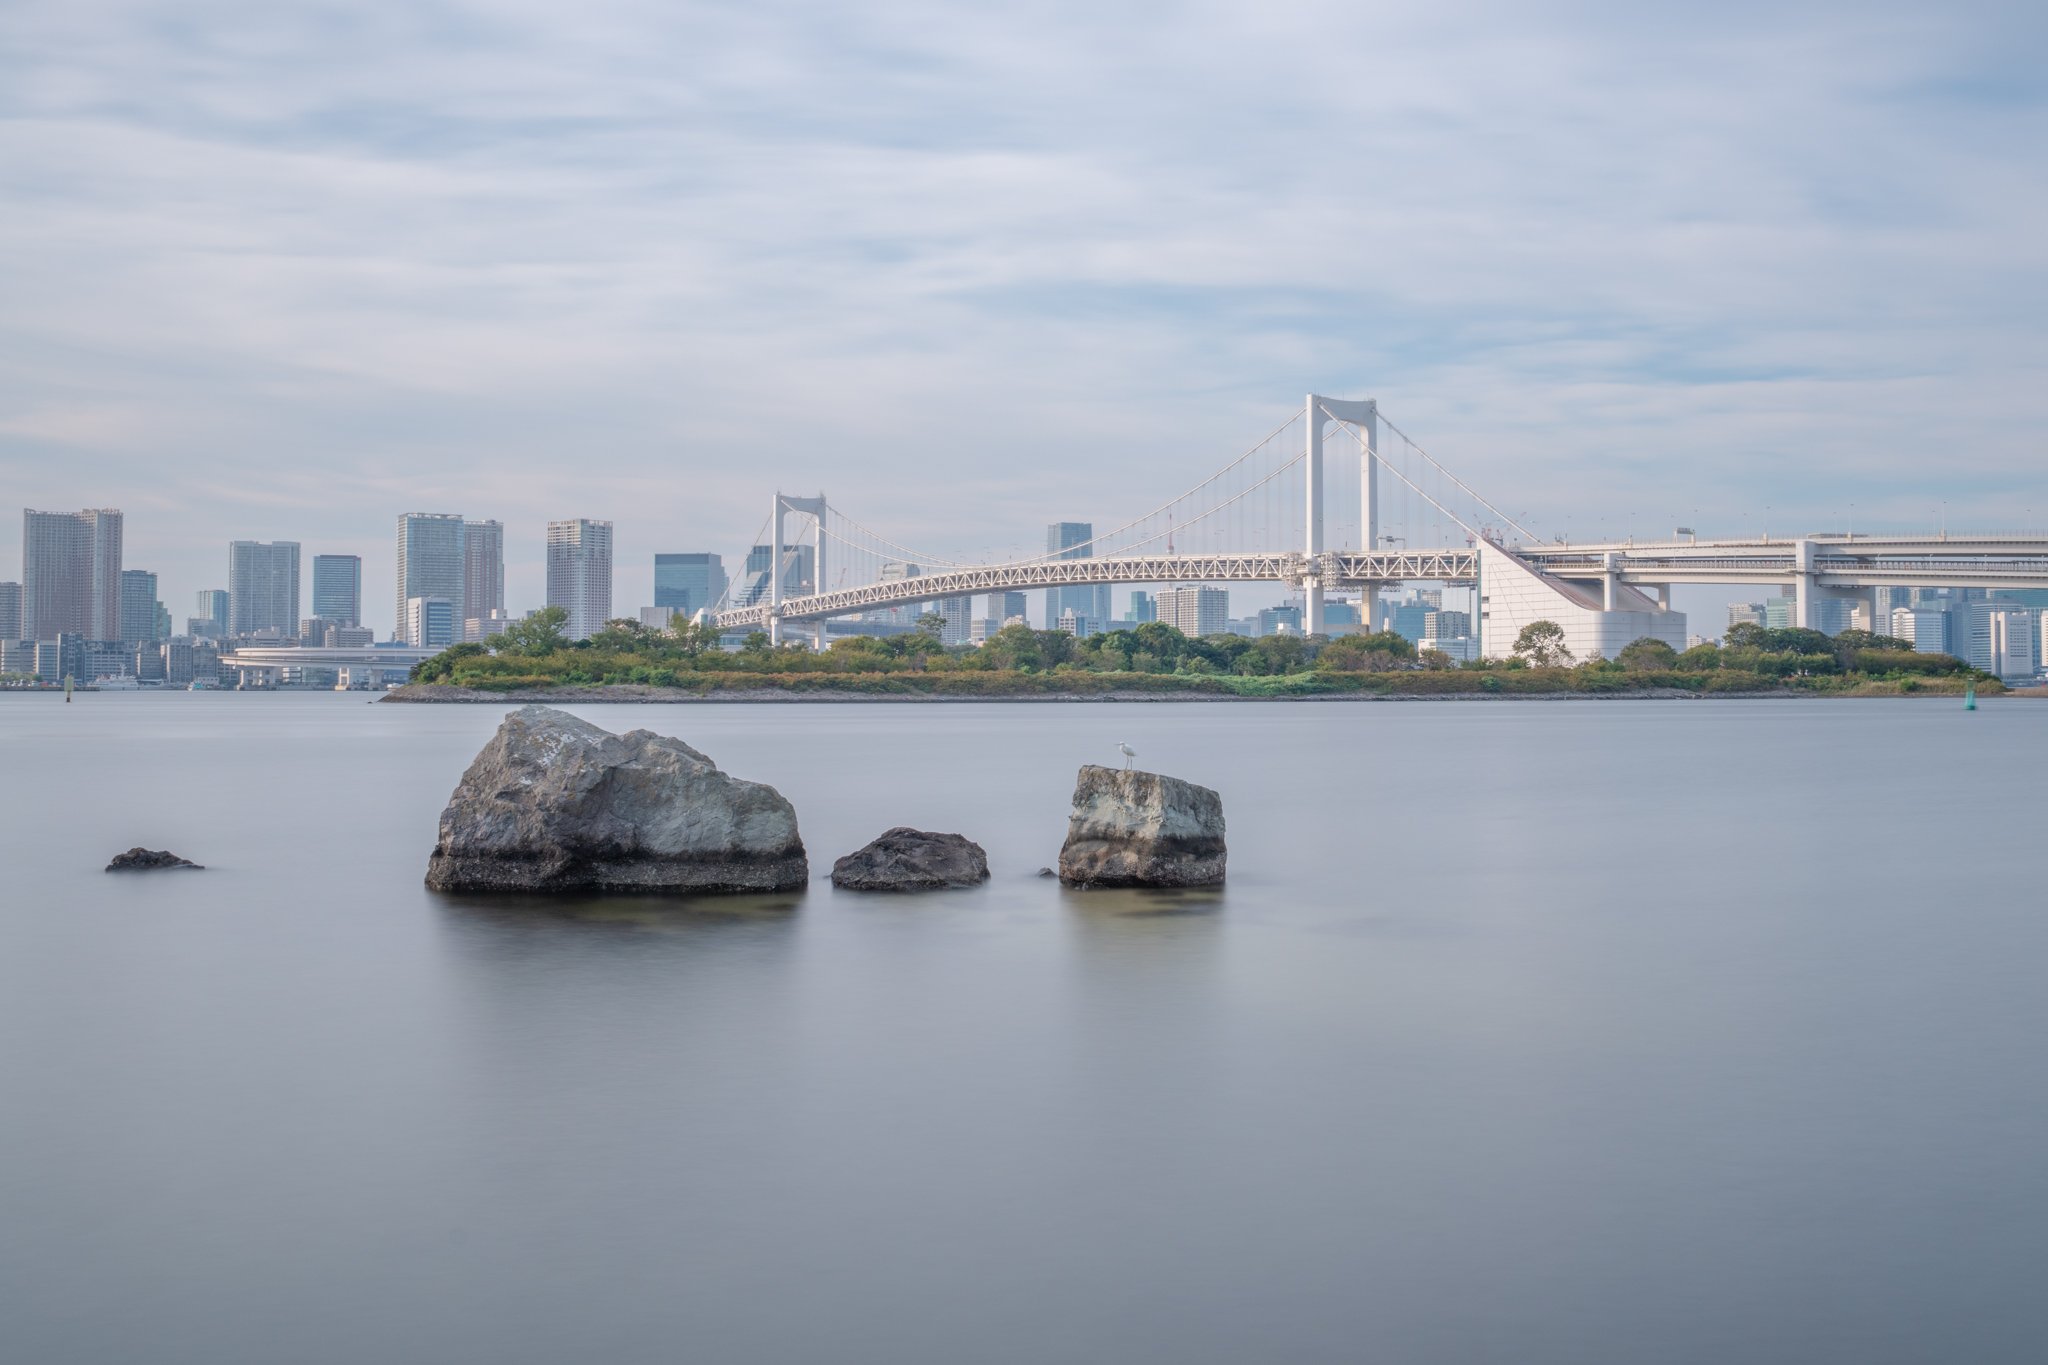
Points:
(1269, 516)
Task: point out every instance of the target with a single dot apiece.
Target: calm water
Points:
(1524, 1032)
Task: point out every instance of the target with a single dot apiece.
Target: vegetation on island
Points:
(536, 656)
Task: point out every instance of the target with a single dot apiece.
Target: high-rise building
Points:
(1005, 606)
(338, 589)
(138, 607)
(580, 574)
(1195, 610)
(1780, 612)
(1071, 540)
(2011, 649)
(688, 583)
(263, 587)
(430, 622)
(10, 612)
(1280, 621)
(957, 614)
(1924, 628)
(799, 568)
(212, 620)
(71, 574)
(1745, 613)
(483, 570)
(430, 562)
(1142, 609)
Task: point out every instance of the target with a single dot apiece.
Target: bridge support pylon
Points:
(1365, 415)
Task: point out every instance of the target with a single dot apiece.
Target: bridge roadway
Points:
(1823, 562)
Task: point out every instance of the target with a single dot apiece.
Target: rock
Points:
(1142, 829)
(1047, 872)
(907, 859)
(553, 803)
(147, 860)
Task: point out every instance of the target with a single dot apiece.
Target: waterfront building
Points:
(479, 629)
(1195, 610)
(430, 622)
(1460, 648)
(1745, 614)
(71, 574)
(1142, 609)
(580, 574)
(263, 587)
(1438, 624)
(430, 563)
(1924, 628)
(18, 657)
(338, 589)
(483, 570)
(688, 582)
(350, 637)
(1070, 540)
(1780, 612)
(2012, 653)
(104, 659)
(1596, 624)
(10, 613)
(138, 607)
(1080, 627)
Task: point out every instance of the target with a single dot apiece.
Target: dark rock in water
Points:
(1047, 872)
(553, 803)
(907, 859)
(147, 860)
(1142, 829)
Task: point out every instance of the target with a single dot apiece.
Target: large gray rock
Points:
(908, 859)
(553, 803)
(1142, 829)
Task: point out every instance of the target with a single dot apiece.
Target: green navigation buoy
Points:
(1970, 697)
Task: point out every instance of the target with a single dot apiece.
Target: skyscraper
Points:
(688, 583)
(430, 562)
(1070, 540)
(263, 587)
(338, 589)
(138, 607)
(212, 604)
(1194, 611)
(799, 567)
(10, 612)
(580, 574)
(1004, 605)
(71, 574)
(483, 571)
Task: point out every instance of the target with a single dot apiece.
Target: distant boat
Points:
(118, 682)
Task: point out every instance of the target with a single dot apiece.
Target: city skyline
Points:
(1652, 309)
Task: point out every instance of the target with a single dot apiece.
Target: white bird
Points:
(1128, 752)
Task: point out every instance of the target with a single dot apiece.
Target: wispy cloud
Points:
(289, 270)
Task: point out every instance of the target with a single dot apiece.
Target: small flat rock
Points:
(147, 860)
(906, 859)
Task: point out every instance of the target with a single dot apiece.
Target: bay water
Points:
(1523, 1031)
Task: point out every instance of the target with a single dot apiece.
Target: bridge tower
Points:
(1365, 415)
(816, 508)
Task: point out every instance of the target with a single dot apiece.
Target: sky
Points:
(284, 271)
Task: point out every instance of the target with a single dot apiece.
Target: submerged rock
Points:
(553, 803)
(908, 859)
(1142, 829)
(147, 860)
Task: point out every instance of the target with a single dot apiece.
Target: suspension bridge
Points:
(1340, 497)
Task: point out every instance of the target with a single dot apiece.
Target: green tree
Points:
(1373, 653)
(537, 636)
(1647, 655)
(1541, 645)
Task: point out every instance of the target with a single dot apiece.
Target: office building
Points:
(1280, 621)
(580, 574)
(71, 574)
(1745, 614)
(1142, 609)
(1924, 628)
(1071, 540)
(138, 607)
(1446, 625)
(10, 612)
(479, 630)
(430, 563)
(18, 657)
(1004, 607)
(2012, 652)
(957, 614)
(338, 589)
(1195, 611)
(1459, 648)
(429, 622)
(799, 567)
(263, 587)
(483, 570)
(1780, 612)
(688, 583)
(212, 605)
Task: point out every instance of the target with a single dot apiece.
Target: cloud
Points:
(286, 271)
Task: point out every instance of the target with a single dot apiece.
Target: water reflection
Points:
(655, 914)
